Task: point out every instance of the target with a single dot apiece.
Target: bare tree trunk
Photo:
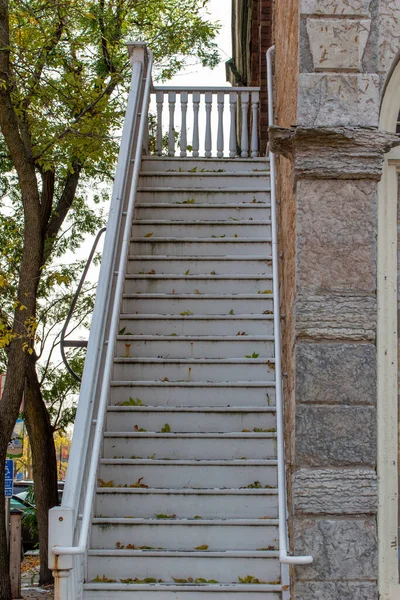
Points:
(44, 460)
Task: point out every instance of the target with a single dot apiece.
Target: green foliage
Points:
(29, 518)
(70, 77)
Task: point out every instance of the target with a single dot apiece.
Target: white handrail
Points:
(282, 501)
(102, 405)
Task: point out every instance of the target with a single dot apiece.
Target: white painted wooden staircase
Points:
(187, 480)
(176, 481)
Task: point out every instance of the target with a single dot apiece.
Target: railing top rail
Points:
(226, 89)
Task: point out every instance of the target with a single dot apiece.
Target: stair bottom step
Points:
(115, 591)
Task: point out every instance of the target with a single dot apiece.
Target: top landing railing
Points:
(220, 113)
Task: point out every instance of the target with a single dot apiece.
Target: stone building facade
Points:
(337, 97)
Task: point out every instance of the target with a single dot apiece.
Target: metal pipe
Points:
(282, 501)
(63, 343)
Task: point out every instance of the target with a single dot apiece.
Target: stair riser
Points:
(205, 449)
(188, 285)
(191, 212)
(166, 568)
(196, 349)
(203, 197)
(191, 326)
(182, 595)
(196, 181)
(200, 305)
(189, 230)
(195, 422)
(231, 506)
(257, 165)
(186, 537)
(194, 372)
(195, 248)
(190, 476)
(195, 396)
(201, 267)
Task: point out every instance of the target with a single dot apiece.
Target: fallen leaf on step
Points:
(203, 547)
(148, 234)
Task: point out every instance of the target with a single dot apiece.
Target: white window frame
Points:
(387, 354)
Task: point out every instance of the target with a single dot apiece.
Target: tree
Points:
(63, 77)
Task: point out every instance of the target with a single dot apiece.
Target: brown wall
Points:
(286, 20)
(252, 36)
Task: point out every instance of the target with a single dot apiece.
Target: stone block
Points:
(336, 316)
(338, 44)
(336, 590)
(335, 491)
(336, 235)
(335, 373)
(349, 8)
(342, 549)
(335, 435)
(336, 99)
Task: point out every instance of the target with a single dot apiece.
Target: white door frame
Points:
(387, 354)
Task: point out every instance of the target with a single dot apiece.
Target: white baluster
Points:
(255, 97)
(171, 131)
(196, 106)
(159, 101)
(245, 97)
(184, 105)
(220, 134)
(208, 140)
(232, 135)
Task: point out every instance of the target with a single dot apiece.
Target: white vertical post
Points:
(159, 101)
(171, 130)
(196, 106)
(208, 140)
(232, 135)
(245, 97)
(184, 105)
(255, 97)
(220, 134)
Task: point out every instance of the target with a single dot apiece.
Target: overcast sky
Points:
(220, 10)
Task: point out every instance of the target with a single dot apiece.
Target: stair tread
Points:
(198, 317)
(174, 587)
(272, 491)
(196, 222)
(197, 296)
(211, 173)
(207, 190)
(195, 361)
(193, 409)
(211, 462)
(206, 240)
(260, 205)
(141, 383)
(201, 338)
(238, 257)
(189, 435)
(189, 522)
(180, 553)
(189, 277)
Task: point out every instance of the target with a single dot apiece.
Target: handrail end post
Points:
(137, 51)
(61, 584)
(61, 529)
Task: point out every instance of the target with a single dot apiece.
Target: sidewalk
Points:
(29, 581)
